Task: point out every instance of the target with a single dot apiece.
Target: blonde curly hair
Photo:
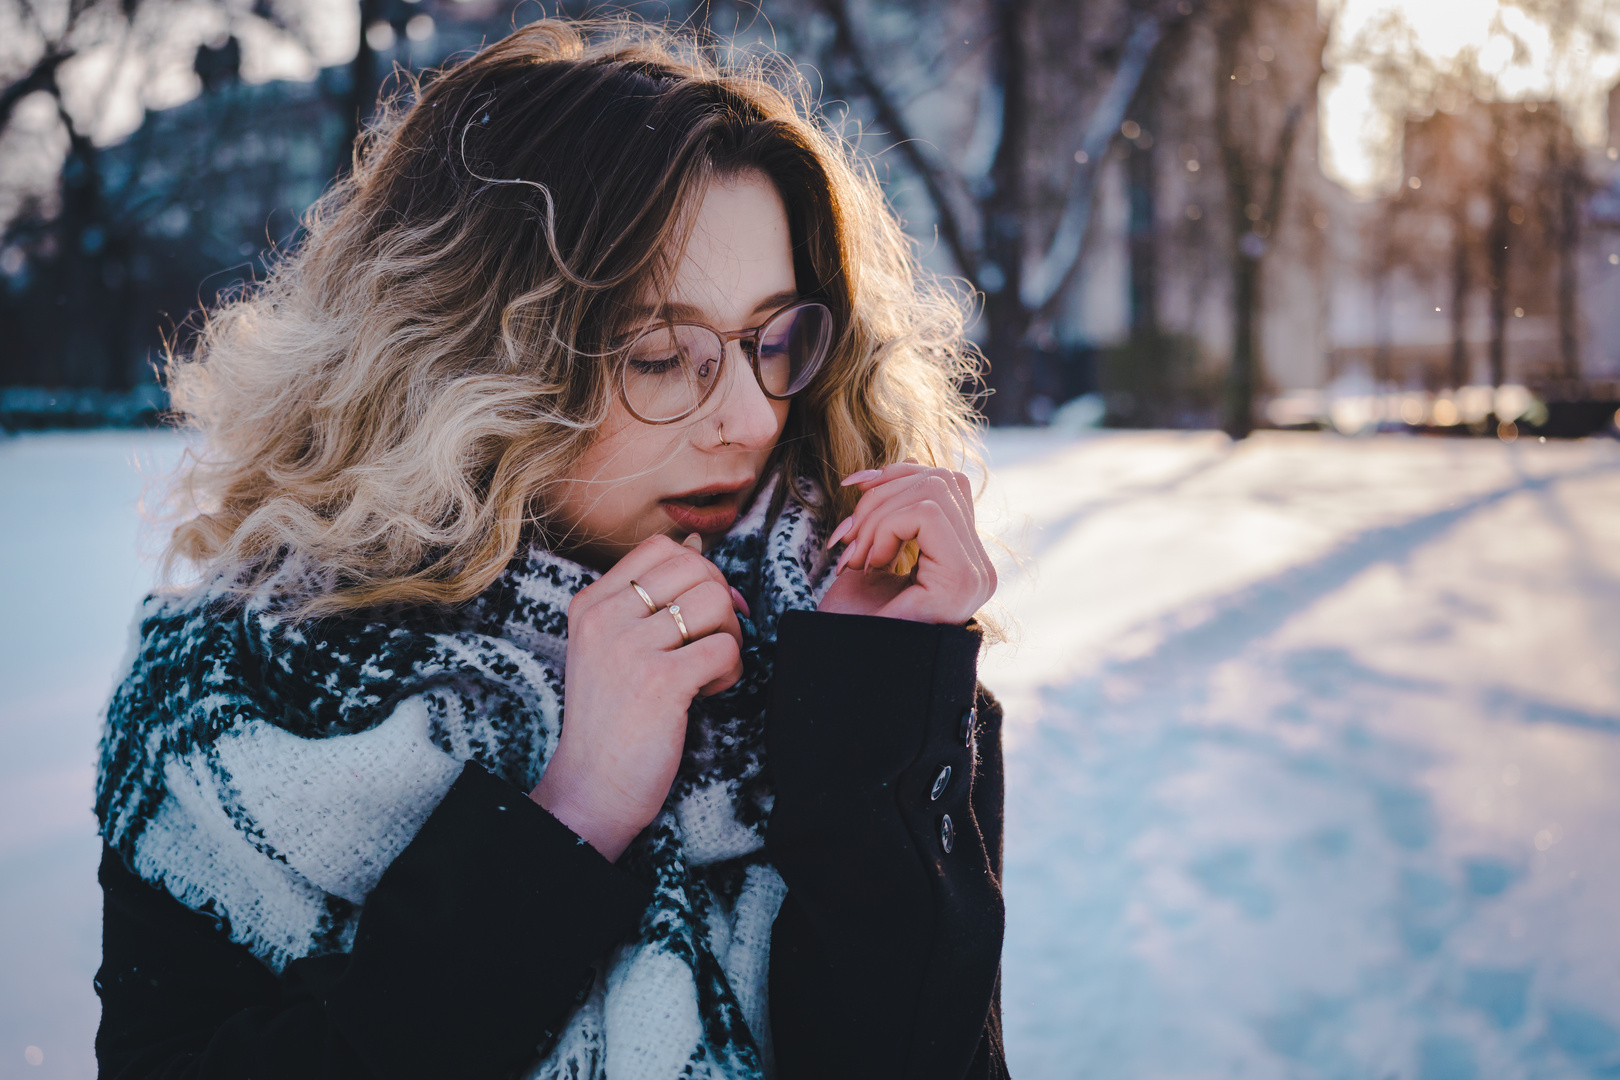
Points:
(394, 403)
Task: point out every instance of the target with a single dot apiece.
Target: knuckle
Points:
(692, 560)
(705, 595)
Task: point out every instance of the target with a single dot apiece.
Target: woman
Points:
(579, 381)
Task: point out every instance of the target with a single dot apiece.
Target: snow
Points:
(1311, 748)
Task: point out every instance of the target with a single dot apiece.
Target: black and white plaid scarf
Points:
(267, 772)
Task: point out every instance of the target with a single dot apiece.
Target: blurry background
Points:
(1232, 213)
(1314, 715)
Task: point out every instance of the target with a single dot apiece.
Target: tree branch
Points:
(1044, 281)
(1285, 140)
(888, 115)
(1279, 164)
(41, 77)
(1229, 34)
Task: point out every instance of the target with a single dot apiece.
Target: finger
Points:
(923, 487)
(669, 579)
(886, 481)
(707, 609)
(867, 479)
(946, 590)
(704, 609)
(715, 664)
(872, 500)
(939, 542)
(693, 541)
(923, 602)
(638, 561)
(904, 478)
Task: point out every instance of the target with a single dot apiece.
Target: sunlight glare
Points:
(1511, 54)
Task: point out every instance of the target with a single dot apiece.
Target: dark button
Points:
(940, 782)
(947, 833)
(970, 719)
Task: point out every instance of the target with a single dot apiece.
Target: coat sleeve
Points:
(476, 942)
(887, 829)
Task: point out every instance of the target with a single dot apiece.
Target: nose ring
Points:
(723, 441)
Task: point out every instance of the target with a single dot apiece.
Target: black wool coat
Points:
(887, 828)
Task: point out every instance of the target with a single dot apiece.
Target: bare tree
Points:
(95, 279)
(1269, 64)
(1433, 225)
(1019, 258)
(1563, 196)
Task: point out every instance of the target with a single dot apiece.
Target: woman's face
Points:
(638, 480)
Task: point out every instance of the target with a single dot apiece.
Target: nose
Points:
(744, 413)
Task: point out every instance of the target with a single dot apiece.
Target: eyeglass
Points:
(670, 370)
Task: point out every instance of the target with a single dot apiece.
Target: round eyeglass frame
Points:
(726, 338)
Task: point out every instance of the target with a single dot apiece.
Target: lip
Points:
(716, 517)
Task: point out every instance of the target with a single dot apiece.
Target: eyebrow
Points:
(675, 311)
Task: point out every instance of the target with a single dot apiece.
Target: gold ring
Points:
(652, 608)
(680, 623)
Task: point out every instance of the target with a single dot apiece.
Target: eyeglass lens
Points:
(670, 370)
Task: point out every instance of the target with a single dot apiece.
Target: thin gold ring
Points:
(680, 623)
(652, 608)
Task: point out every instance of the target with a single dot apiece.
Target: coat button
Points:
(947, 833)
(940, 782)
(970, 719)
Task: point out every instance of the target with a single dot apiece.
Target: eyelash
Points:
(654, 367)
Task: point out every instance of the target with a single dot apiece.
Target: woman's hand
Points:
(630, 681)
(905, 503)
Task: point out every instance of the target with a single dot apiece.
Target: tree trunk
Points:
(1497, 249)
(1569, 189)
(1241, 384)
(1498, 286)
(1001, 273)
(1460, 286)
(1142, 178)
(92, 353)
(365, 79)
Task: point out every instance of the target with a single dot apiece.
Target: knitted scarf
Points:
(267, 771)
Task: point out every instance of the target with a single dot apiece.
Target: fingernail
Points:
(695, 542)
(838, 533)
(861, 477)
(737, 598)
(911, 461)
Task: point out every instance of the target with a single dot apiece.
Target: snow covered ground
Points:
(1314, 751)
